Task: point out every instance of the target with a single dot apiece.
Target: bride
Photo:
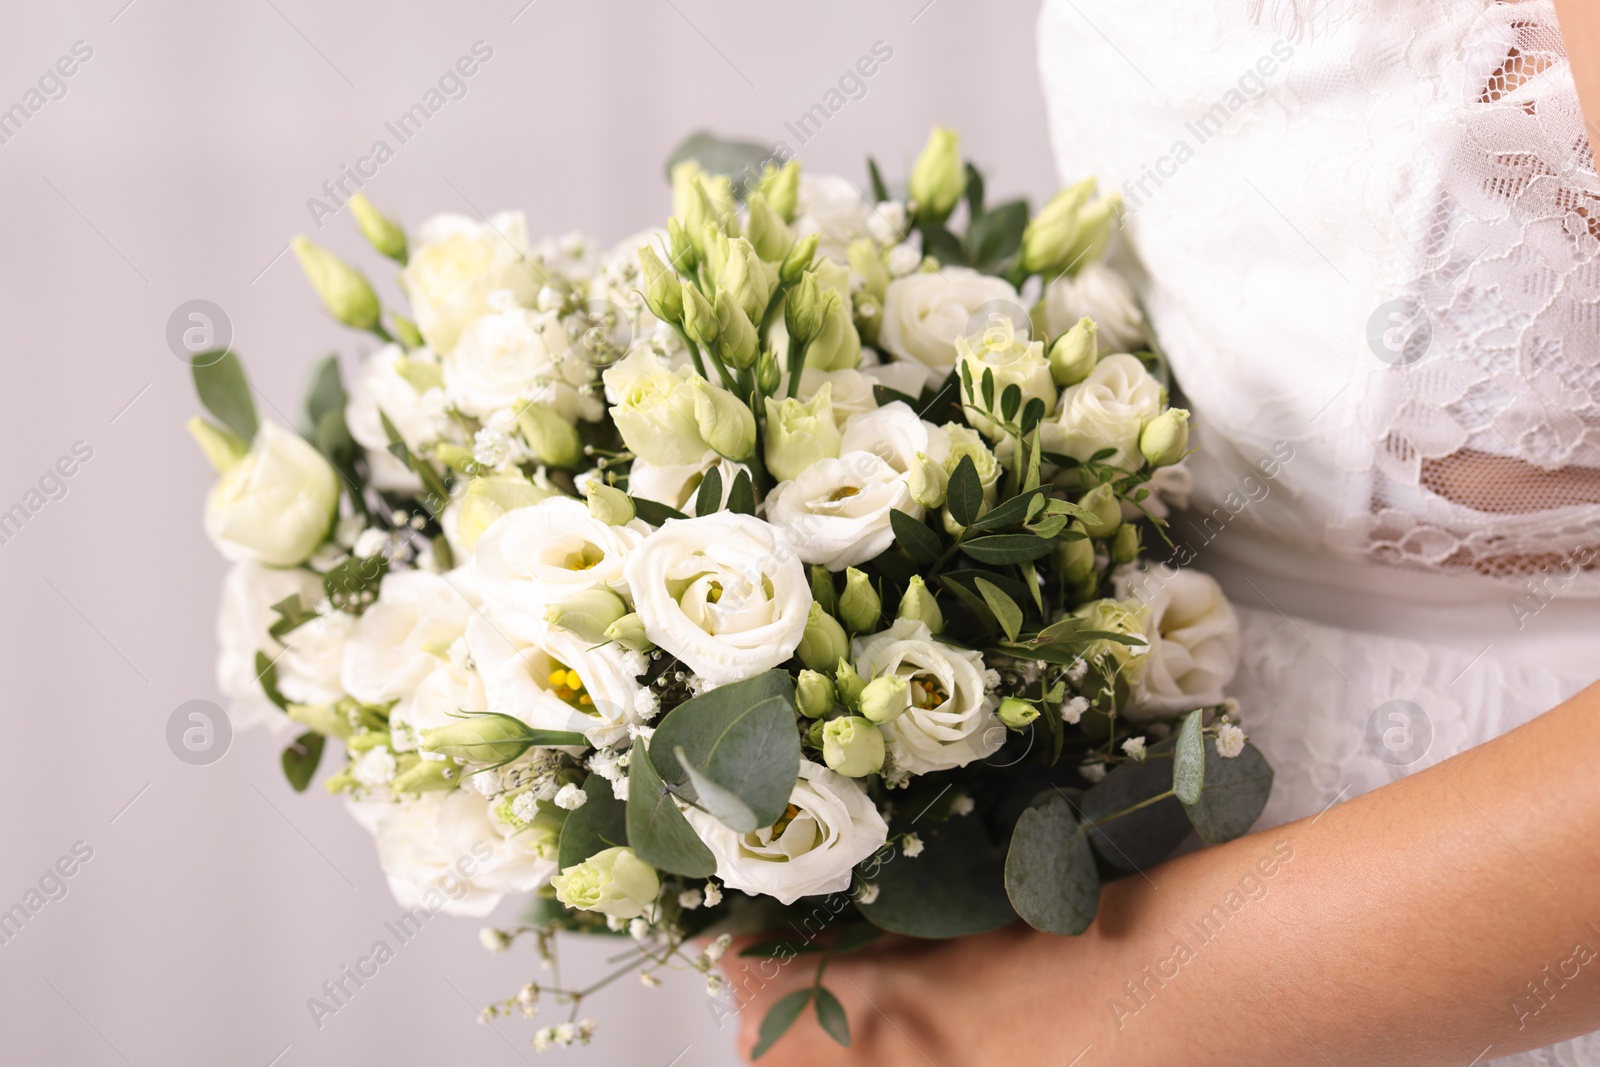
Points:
(1371, 233)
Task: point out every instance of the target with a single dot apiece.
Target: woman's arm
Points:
(1451, 915)
(1580, 35)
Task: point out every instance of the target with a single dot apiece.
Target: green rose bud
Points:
(1125, 544)
(836, 345)
(860, 607)
(222, 448)
(628, 632)
(1096, 224)
(490, 497)
(768, 374)
(736, 334)
(822, 588)
(663, 292)
(746, 278)
(781, 188)
(723, 420)
(928, 482)
(379, 231)
(814, 694)
(938, 178)
(613, 882)
(589, 614)
(486, 738)
(802, 310)
(609, 504)
(699, 318)
(768, 235)
(1047, 242)
(1165, 438)
(1076, 557)
(1074, 353)
(1017, 713)
(867, 261)
(823, 643)
(1102, 500)
(680, 247)
(848, 684)
(341, 287)
(852, 746)
(426, 776)
(798, 261)
(919, 604)
(553, 439)
(885, 698)
(800, 433)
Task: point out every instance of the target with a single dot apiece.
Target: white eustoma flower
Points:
(677, 486)
(243, 618)
(540, 555)
(1104, 296)
(1012, 359)
(951, 721)
(924, 314)
(404, 634)
(1108, 409)
(837, 512)
(442, 851)
(894, 433)
(514, 356)
(275, 505)
(456, 262)
(443, 695)
(308, 671)
(725, 593)
(1193, 637)
(834, 826)
(404, 388)
(831, 207)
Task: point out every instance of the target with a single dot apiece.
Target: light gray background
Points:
(177, 166)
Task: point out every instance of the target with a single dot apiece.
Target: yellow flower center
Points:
(844, 492)
(586, 557)
(927, 692)
(565, 684)
(790, 813)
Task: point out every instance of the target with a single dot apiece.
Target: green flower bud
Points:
(329, 720)
(768, 235)
(723, 420)
(802, 310)
(919, 604)
(822, 588)
(609, 504)
(1165, 438)
(814, 694)
(681, 248)
(488, 498)
(852, 746)
(1102, 500)
(426, 776)
(1074, 353)
(685, 177)
(420, 374)
(823, 643)
(928, 482)
(699, 318)
(589, 614)
(612, 882)
(1125, 544)
(405, 331)
(798, 261)
(938, 179)
(781, 188)
(457, 457)
(860, 607)
(628, 632)
(814, 733)
(341, 286)
(736, 334)
(379, 231)
(746, 278)
(768, 374)
(1047, 242)
(886, 698)
(836, 345)
(848, 684)
(485, 738)
(799, 433)
(553, 439)
(222, 448)
(1076, 557)
(1017, 713)
(867, 261)
(1096, 224)
(663, 292)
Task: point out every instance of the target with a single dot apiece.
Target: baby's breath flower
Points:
(1134, 747)
(1094, 772)
(962, 805)
(494, 940)
(1073, 710)
(571, 797)
(911, 846)
(648, 980)
(867, 894)
(690, 899)
(713, 894)
(1230, 740)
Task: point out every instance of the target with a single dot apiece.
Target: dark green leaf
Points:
(267, 674)
(225, 392)
(830, 1013)
(883, 396)
(324, 394)
(300, 759)
(1032, 412)
(1011, 511)
(921, 543)
(995, 237)
(709, 499)
(740, 160)
(1051, 876)
(1235, 792)
(654, 513)
(1147, 836)
(855, 937)
(601, 823)
(880, 191)
(779, 1018)
(1005, 609)
(657, 831)
(1010, 401)
(956, 887)
(988, 389)
(945, 404)
(943, 245)
(965, 495)
(291, 616)
(1006, 548)
(1189, 760)
(974, 192)
(349, 584)
(742, 497)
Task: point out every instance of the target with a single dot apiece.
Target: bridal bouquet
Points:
(778, 570)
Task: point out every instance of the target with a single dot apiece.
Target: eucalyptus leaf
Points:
(1051, 876)
(742, 161)
(1189, 760)
(1235, 792)
(955, 888)
(657, 831)
(601, 823)
(1147, 836)
(225, 391)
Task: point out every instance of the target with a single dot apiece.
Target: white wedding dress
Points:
(1368, 235)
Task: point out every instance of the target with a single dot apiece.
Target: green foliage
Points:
(657, 831)
(601, 823)
(1051, 876)
(300, 759)
(220, 381)
(779, 1018)
(1235, 792)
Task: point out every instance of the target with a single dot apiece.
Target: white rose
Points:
(951, 721)
(457, 262)
(443, 852)
(503, 360)
(837, 512)
(831, 208)
(677, 486)
(1104, 296)
(527, 670)
(537, 556)
(893, 433)
(404, 635)
(1193, 637)
(834, 827)
(725, 593)
(1108, 409)
(275, 505)
(243, 617)
(1012, 360)
(924, 314)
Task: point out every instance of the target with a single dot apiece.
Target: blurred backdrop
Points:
(174, 163)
